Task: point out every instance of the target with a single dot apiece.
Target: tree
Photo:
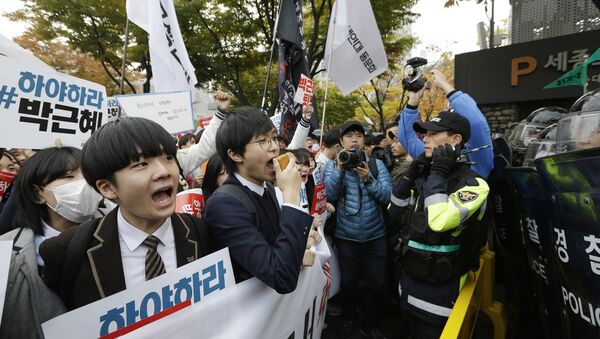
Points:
(435, 100)
(94, 27)
(228, 41)
(339, 107)
(62, 58)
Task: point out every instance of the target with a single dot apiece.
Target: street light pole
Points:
(492, 27)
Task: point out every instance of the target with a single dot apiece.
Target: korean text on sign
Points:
(40, 106)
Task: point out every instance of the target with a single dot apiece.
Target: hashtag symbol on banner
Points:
(7, 97)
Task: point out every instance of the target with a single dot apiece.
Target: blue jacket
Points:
(463, 104)
(359, 216)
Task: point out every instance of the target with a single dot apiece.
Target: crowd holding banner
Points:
(120, 216)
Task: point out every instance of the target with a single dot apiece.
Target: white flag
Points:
(171, 66)
(358, 55)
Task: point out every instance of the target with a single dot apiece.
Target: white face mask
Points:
(76, 201)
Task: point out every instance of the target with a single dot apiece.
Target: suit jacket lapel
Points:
(186, 242)
(105, 257)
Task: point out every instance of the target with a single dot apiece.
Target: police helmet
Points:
(588, 102)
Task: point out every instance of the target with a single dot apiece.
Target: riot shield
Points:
(536, 232)
(573, 181)
(511, 261)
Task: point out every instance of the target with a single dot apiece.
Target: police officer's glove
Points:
(444, 158)
(416, 167)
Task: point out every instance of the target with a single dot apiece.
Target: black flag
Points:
(292, 64)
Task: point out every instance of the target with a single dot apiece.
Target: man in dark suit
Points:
(270, 244)
(133, 163)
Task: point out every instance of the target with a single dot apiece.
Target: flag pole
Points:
(328, 72)
(121, 89)
(262, 104)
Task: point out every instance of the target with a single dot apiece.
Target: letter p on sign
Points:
(516, 69)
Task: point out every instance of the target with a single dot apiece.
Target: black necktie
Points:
(154, 264)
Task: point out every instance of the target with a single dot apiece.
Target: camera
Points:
(415, 82)
(352, 158)
(385, 155)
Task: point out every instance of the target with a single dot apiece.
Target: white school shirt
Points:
(49, 232)
(133, 250)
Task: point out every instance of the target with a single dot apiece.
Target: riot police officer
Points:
(446, 202)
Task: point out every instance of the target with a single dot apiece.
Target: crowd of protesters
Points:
(403, 210)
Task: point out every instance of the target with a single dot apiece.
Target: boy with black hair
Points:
(265, 240)
(132, 162)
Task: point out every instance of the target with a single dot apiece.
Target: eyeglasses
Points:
(266, 144)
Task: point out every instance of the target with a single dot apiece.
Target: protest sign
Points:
(113, 110)
(160, 299)
(305, 91)
(5, 179)
(203, 122)
(173, 110)
(249, 310)
(39, 105)
(5, 249)
(319, 201)
(190, 202)
(252, 310)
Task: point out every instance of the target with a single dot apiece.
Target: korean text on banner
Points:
(358, 54)
(5, 179)
(171, 294)
(112, 109)
(190, 201)
(319, 204)
(304, 93)
(5, 249)
(171, 66)
(252, 310)
(173, 111)
(39, 106)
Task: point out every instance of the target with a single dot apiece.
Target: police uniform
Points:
(443, 235)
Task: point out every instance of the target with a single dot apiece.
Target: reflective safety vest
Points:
(445, 231)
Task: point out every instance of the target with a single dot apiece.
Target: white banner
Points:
(171, 66)
(158, 300)
(5, 256)
(249, 310)
(39, 105)
(358, 54)
(112, 109)
(173, 111)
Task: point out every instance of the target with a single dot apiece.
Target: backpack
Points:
(241, 195)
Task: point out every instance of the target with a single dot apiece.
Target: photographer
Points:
(464, 105)
(360, 187)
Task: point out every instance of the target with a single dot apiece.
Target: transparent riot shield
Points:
(578, 131)
(512, 270)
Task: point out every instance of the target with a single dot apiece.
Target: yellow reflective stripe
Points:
(449, 214)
